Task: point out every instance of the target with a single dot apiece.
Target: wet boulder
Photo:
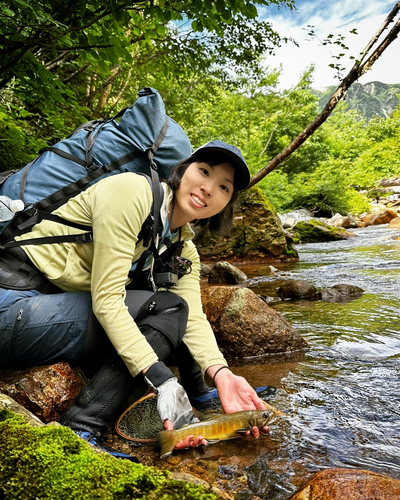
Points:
(204, 270)
(244, 325)
(395, 223)
(383, 217)
(344, 221)
(288, 223)
(46, 391)
(298, 289)
(349, 484)
(341, 293)
(314, 231)
(224, 273)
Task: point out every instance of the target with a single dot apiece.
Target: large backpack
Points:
(141, 138)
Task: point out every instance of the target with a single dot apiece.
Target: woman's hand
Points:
(236, 394)
(188, 442)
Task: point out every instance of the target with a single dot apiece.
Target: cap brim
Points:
(242, 174)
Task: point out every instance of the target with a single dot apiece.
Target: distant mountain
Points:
(371, 99)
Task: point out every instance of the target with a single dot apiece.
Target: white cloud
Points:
(331, 17)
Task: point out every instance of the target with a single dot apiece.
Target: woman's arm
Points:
(119, 206)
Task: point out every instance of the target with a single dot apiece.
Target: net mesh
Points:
(141, 421)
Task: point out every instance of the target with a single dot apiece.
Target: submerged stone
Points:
(298, 289)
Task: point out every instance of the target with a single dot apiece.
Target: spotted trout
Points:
(217, 428)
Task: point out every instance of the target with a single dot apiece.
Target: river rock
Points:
(224, 273)
(298, 289)
(348, 484)
(46, 391)
(265, 270)
(344, 221)
(314, 231)
(395, 223)
(383, 217)
(341, 293)
(288, 223)
(296, 216)
(244, 325)
(204, 270)
(257, 234)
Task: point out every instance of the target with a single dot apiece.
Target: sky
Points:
(331, 17)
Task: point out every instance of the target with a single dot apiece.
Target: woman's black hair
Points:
(220, 223)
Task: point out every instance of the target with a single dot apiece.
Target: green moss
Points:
(315, 231)
(51, 462)
(291, 252)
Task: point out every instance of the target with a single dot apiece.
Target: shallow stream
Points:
(342, 396)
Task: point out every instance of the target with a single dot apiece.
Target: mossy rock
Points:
(257, 233)
(51, 462)
(314, 231)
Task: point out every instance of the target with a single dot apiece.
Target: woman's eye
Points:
(204, 171)
(225, 188)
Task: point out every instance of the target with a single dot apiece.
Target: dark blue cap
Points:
(233, 156)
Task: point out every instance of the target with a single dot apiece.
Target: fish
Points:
(217, 427)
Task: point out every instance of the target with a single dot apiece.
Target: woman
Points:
(41, 328)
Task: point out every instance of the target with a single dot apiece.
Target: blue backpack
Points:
(140, 138)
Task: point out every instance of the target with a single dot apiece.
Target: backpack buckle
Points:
(84, 238)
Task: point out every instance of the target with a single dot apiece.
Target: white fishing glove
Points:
(172, 401)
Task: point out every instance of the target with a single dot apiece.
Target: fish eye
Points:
(266, 414)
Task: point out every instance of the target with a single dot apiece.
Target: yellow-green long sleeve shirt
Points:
(116, 208)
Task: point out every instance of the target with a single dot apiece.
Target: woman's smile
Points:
(203, 192)
(198, 201)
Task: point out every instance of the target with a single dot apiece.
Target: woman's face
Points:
(204, 191)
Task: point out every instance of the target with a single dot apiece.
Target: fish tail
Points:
(166, 440)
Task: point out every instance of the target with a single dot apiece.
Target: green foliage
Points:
(17, 143)
(65, 63)
(51, 462)
(68, 62)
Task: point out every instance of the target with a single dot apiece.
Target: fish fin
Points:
(213, 441)
(166, 440)
(242, 431)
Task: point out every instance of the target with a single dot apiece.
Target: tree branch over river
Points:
(361, 66)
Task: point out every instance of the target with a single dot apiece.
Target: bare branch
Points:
(76, 73)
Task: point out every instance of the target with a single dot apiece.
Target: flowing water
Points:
(341, 397)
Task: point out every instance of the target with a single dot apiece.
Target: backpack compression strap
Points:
(55, 200)
(65, 238)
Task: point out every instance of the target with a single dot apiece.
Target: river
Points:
(341, 397)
